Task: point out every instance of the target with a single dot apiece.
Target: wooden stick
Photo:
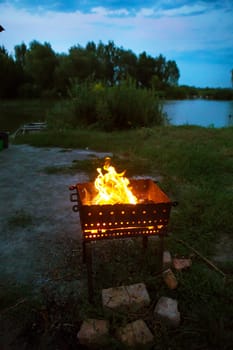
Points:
(207, 261)
(21, 301)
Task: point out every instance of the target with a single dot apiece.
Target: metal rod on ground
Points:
(161, 250)
(207, 261)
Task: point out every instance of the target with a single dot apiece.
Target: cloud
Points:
(188, 31)
(139, 32)
(186, 10)
(104, 12)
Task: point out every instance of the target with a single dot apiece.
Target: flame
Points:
(112, 187)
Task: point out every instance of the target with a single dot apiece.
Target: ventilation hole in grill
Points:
(110, 224)
(100, 213)
(104, 223)
(112, 212)
(89, 214)
(98, 224)
(133, 222)
(139, 221)
(154, 211)
(92, 225)
(150, 221)
(144, 222)
(123, 212)
(144, 212)
(122, 223)
(127, 223)
(164, 210)
(133, 212)
(115, 223)
(85, 225)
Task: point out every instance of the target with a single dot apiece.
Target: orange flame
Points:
(112, 187)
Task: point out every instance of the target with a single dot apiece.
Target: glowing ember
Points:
(112, 187)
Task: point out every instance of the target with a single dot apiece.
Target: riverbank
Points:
(202, 112)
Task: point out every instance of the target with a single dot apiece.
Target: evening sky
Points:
(198, 35)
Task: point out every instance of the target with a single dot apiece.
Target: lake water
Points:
(200, 112)
(193, 112)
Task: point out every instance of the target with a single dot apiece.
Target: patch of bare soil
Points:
(41, 271)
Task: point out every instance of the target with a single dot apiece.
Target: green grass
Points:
(196, 167)
(195, 163)
(14, 113)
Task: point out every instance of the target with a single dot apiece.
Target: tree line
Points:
(38, 71)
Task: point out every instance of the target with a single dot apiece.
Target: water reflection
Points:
(200, 112)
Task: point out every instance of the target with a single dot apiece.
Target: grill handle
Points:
(74, 198)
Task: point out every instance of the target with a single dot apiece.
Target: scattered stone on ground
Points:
(182, 263)
(170, 279)
(126, 298)
(166, 310)
(94, 333)
(135, 333)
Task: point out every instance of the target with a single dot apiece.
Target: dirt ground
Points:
(41, 250)
(40, 234)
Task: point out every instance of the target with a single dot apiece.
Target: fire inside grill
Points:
(143, 211)
(115, 207)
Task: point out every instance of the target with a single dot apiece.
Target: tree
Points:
(126, 65)
(10, 78)
(63, 74)
(145, 69)
(40, 64)
(171, 73)
(20, 53)
(108, 59)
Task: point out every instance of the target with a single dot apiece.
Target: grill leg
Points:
(88, 257)
(161, 249)
(145, 242)
(84, 252)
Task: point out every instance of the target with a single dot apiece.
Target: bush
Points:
(120, 107)
(132, 107)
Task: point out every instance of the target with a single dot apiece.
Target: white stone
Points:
(126, 298)
(183, 263)
(167, 259)
(135, 333)
(93, 332)
(166, 310)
